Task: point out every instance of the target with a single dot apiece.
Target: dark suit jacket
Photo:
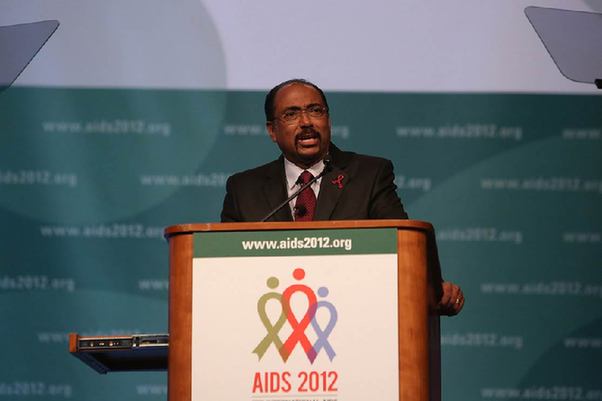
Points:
(366, 191)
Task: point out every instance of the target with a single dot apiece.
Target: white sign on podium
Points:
(299, 318)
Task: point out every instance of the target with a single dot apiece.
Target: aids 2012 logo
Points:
(299, 322)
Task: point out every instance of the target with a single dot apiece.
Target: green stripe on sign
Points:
(297, 242)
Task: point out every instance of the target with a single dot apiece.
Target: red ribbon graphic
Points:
(338, 181)
(298, 334)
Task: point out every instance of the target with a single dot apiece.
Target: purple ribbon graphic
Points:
(322, 340)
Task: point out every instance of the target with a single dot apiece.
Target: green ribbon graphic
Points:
(272, 330)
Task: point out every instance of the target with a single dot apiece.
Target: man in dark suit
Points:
(354, 187)
(350, 186)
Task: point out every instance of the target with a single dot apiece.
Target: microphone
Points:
(298, 212)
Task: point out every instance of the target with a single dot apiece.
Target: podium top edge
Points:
(308, 225)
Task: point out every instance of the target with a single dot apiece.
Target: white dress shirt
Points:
(293, 172)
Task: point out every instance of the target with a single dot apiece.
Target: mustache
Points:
(307, 133)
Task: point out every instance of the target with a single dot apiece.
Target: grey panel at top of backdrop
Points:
(573, 39)
(18, 46)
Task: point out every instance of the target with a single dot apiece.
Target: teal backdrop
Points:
(133, 116)
(512, 183)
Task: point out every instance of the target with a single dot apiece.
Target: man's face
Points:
(305, 140)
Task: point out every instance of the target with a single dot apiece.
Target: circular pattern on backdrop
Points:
(81, 155)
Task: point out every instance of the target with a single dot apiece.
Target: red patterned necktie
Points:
(306, 200)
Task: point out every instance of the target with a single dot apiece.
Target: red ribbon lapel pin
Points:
(338, 181)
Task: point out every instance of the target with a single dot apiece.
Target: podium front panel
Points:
(301, 315)
(384, 320)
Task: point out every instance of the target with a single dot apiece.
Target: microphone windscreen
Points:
(300, 211)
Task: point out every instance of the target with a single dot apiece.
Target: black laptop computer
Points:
(130, 352)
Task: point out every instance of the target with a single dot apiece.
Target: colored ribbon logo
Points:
(322, 341)
(339, 181)
(298, 326)
(298, 335)
(272, 335)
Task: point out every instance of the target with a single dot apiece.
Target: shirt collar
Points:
(293, 171)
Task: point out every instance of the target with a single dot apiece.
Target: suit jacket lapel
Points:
(332, 185)
(274, 189)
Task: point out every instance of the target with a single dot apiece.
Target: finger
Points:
(455, 295)
(459, 303)
(446, 295)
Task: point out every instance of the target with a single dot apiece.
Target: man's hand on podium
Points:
(452, 299)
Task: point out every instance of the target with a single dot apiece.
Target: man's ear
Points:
(269, 126)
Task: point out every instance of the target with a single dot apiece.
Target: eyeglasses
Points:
(293, 114)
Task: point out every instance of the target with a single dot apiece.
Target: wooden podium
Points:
(418, 289)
